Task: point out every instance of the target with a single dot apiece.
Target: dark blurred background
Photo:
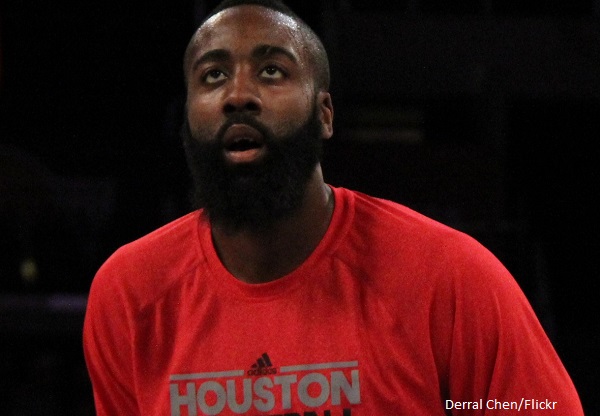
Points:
(483, 114)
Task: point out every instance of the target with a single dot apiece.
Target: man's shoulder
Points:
(185, 226)
(170, 238)
(405, 252)
(160, 256)
(392, 217)
(385, 229)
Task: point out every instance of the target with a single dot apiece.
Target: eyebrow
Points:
(259, 52)
(215, 55)
(266, 51)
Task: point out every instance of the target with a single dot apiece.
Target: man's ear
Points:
(325, 114)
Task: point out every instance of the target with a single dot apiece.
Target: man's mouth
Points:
(243, 144)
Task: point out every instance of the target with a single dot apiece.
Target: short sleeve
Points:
(502, 360)
(107, 343)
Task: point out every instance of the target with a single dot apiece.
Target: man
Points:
(285, 296)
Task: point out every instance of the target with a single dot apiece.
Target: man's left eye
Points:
(272, 72)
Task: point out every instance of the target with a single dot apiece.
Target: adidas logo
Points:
(262, 367)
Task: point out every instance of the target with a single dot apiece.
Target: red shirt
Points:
(392, 314)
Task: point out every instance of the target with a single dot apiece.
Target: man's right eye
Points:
(213, 76)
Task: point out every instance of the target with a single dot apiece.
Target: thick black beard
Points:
(257, 195)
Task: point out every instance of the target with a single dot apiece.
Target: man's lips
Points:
(243, 143)
(237, 133)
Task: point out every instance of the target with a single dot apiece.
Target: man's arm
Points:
(501, 359)
(107, 343)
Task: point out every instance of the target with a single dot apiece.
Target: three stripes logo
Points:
(262, 366)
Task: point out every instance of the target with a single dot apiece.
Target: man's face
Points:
(255, 121)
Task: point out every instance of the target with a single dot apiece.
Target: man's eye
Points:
(213, 76)
(272, 72)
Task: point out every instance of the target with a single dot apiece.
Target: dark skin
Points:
(230, 70)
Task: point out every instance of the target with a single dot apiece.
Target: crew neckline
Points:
(223, 280)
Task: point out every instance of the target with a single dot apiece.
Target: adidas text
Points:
(262, 371)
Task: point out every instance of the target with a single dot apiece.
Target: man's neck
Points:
(266, 255)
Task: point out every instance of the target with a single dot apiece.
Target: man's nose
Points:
(242, 95)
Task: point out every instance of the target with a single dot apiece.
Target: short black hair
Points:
(316, 51)
(276, 5)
